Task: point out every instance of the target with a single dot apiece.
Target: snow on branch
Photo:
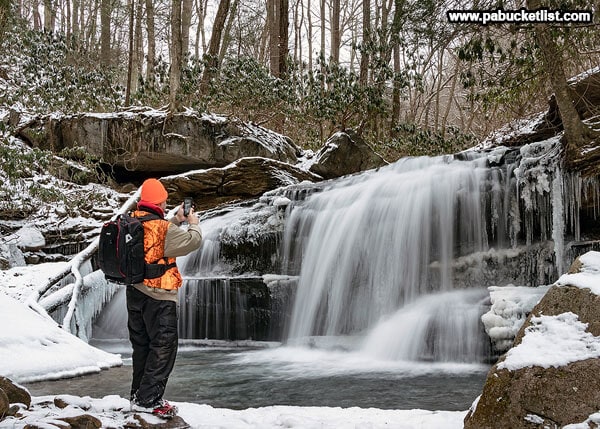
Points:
(73, 267)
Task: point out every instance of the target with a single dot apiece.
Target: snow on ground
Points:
(319, 418)
(112, 412)
(19, 282)
(34, 348)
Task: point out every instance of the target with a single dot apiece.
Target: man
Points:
(152, 305)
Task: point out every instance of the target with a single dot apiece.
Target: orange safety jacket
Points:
(155, 232)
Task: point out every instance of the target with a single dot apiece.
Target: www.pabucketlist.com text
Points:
(520, 16)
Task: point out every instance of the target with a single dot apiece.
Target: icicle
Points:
(558, 223)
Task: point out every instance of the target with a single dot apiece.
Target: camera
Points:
(187, 205)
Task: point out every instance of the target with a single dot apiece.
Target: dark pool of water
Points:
(238, 379)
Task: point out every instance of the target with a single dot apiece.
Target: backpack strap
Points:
(154, 269)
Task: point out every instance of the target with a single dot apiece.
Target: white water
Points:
(442, 327)
(369, 242)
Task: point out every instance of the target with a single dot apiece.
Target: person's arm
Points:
(180, 242)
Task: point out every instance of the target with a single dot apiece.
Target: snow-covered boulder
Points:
(29, 238)
(550, 377)
(345, 153)
(15, 394)
(243, 179)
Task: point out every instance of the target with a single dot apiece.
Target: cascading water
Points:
(379, 248)
(371, 240)
(442, 327)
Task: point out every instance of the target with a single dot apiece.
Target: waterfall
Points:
(222, 315)
(378, 241)
(386, 254)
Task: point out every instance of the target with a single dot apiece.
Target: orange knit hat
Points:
(153, 192)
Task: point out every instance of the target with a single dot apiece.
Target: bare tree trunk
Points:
(212, 55)
(297, 32)
(438, 90)
(273, 26)
(396, 89)
(90, 38)
(364, 59)
(151, 56)
(451, 96)
(576, 133)
(323, 28)
(130, 58)
(354, 36)
(105, 33)
(37, 19)
(67, 19)
(309, 31)
(49, 15)
(186, 20)
(75, 19)
(4, 14)
(138, 46)
(175, 71)
(200, 33)
(335, 31)
(227, 31)
(283, 48)
(263, 50)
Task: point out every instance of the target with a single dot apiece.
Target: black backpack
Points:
(121, 251)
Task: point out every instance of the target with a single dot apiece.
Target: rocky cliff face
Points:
(244, 179)
(156, 142)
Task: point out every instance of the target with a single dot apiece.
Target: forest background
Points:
(398, 71)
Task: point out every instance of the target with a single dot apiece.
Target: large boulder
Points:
(549, 395)
(536, 397)
(156, 142)
(30, 238)
(244, 179)
(4, 404)
(345, 153)
(15, 393)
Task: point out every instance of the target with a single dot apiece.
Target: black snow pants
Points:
(152, 328)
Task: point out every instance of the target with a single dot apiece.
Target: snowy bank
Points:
(34, 348)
